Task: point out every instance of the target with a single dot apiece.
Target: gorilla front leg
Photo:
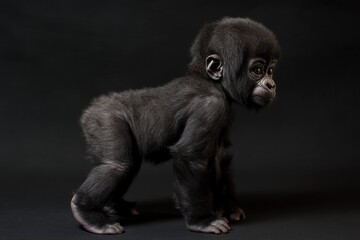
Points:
(226, 200)
(194, 197)
(228, 206)
(194, 156)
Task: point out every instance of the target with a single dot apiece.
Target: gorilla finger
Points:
(220, 227)
(212, 229)
(225, 219)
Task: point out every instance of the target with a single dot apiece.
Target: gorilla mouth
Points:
(262, 97)
(262, 100)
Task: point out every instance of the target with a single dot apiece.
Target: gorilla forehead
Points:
(253, 38)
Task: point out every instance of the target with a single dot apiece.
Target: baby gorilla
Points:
(186, 120)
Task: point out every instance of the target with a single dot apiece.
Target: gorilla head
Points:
(240, 54)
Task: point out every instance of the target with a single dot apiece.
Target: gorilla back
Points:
(155, 117)
(187, 120)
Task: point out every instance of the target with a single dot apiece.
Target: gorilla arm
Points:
(194, 158)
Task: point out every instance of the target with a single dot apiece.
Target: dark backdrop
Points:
(55, 56)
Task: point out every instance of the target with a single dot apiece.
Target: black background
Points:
(296, 164)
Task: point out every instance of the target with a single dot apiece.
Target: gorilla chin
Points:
(262, 101)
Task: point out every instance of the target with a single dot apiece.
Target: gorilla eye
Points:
(258, 71)
(270, 71)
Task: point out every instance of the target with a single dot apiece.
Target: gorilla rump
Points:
(186, 120)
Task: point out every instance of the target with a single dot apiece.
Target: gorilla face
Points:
(260, 72)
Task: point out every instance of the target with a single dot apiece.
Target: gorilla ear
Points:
(214, 66)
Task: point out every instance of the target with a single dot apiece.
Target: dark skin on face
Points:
(261, 72)
(187, 121)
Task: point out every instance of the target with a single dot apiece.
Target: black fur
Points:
(186, 120)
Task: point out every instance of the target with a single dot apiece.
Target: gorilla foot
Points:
(95, 221)
(114, 228)
(216, 226)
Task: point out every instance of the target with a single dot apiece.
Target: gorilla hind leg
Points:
(87, 202)
(108, 180)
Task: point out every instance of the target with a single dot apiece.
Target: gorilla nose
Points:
(270, 84)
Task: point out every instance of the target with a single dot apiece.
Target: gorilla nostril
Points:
(270, 85)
